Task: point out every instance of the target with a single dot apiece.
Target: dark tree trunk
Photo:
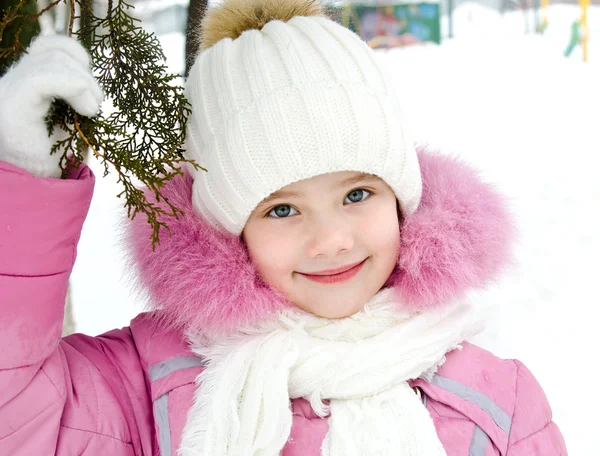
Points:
(195, 13)
(26, 35)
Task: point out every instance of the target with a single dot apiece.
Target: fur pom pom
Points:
(230, 18)
(460, 237)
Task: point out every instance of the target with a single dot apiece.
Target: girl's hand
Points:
(55, 67)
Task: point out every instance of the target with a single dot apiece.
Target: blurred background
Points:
(512, 87)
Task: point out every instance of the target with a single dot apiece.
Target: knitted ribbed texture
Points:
(289, 102)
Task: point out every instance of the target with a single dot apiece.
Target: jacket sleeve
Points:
(56, 396)
(533, 433)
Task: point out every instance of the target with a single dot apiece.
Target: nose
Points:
(330, 236)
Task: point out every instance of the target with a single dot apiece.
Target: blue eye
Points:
(282, 211)
(357, 195)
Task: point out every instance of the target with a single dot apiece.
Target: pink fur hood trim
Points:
(459, 238)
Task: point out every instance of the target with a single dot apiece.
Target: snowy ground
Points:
(514, 107)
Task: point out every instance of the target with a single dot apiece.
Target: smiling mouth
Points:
(335, 277)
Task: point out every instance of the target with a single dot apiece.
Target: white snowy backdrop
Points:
(529, 119)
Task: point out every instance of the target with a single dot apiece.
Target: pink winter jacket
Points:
(127, 392)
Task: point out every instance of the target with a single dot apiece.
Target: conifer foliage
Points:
(142, 139)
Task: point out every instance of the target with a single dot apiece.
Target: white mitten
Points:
(55, 67)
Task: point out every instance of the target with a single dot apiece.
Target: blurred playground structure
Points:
(387, 24)
(398, 23)
(579, 29)
(567, 26)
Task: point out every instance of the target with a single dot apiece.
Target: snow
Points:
(511, 105)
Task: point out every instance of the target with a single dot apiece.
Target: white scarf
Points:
(361, 364)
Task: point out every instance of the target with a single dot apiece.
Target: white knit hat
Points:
(287, 102)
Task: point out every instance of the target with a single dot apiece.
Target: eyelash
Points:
(369, 192)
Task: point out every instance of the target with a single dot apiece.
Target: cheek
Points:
(383, 233)
(274, 257)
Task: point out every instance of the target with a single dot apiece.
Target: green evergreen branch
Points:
(143, 139)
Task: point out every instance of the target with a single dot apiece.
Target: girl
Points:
(311, 299)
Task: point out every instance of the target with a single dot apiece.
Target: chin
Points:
(332, 303)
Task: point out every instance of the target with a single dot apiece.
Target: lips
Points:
(334, 271)
(337, 275)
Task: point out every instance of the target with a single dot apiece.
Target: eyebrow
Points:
(280, 194)
(358, 179)
(283, 194)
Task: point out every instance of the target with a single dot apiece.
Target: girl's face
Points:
(328, 243)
